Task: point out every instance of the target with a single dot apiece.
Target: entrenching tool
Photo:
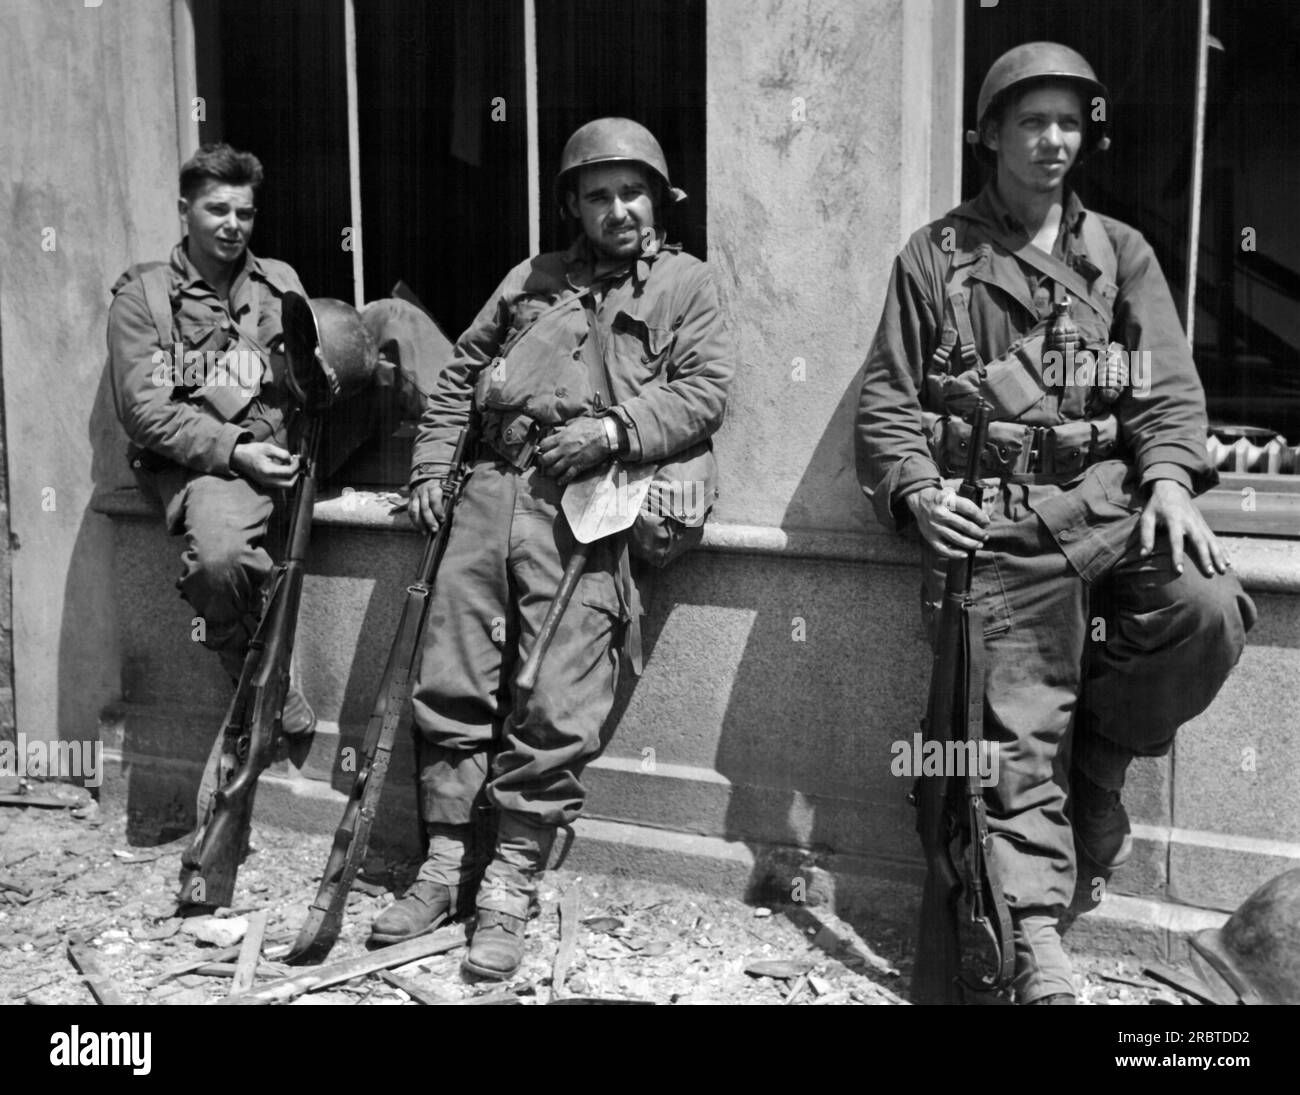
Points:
(596, 505)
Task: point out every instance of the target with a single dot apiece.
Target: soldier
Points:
(611, 349)
(1095, 620)
(197, 368)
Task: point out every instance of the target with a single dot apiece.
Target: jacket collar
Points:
(580, 262)
(988, 208)
(188, 279)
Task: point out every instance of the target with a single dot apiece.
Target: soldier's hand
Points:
(1170, 507)
(579, 444)
(264, 463)
(950, 524)
(425, 507)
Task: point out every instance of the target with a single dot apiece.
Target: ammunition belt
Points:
(511, 437)
(1013, 449)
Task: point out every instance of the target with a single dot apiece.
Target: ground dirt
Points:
(68, 875)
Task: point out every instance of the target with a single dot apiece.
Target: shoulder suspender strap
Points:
(157, 299)
(1052, 267)
(594, 352)
(1100, 249)
(959, 299)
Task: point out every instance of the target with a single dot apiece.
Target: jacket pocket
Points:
(639, 347)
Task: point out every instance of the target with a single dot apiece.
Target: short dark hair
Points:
(222, 163)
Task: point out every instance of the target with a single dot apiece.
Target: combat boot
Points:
(426, 906)
(1101, 826)
(507, 897)
(442, 891)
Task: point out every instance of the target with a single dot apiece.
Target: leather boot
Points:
(441, 892)
(426, 906)
(507, 896)
(1101, 826)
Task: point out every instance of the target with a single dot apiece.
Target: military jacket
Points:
(164, 417)
(1162, 429)
(655, 321)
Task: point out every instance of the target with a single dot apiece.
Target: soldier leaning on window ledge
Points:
(1092, 512)
(214, 448)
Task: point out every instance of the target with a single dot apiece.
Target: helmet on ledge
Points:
(331, 356)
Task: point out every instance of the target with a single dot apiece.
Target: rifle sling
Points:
(973, 619)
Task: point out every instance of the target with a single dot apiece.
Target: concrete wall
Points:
(88, 144)
(823, 131)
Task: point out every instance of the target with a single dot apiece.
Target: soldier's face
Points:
(615, 204)
(1039, 138)
(219, 220)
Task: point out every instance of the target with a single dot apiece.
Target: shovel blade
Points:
(602, 503)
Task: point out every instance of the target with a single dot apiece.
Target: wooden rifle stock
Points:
(937, 973)
(250, 734)
(324, 920)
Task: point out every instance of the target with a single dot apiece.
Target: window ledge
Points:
(1262, 565)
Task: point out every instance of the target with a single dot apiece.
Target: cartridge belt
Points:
(1014, 449)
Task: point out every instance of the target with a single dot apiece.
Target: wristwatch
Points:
(614, 435)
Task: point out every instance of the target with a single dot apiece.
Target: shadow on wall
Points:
(834, 671)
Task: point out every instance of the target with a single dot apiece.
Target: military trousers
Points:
(482, 742)
(1108, 669)
(227, 524)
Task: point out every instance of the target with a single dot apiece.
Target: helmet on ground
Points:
(1257, 952)
(614, 140)
(1031, 62)
(346, 362)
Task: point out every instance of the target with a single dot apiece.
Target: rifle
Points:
(250, 735)
(951, 810)
(325, 916)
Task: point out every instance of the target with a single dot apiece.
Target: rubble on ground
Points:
(68, 876)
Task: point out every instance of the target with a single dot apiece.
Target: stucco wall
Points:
(88, 144)
(821, 133)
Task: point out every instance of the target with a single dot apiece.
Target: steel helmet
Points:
(614, 140)
(1038, 61)
(1257, 952)
(346, 363)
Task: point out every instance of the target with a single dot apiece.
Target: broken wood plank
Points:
(46, 801)
(227, 969)
(335, 973)
(213, 957)
(17, 887)
(414, 991)
(89, 968)
(1184, 981)
(249, 953)
(570, 906)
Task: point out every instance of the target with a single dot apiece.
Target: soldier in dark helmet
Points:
(612, 349)
(1111, 615)
(197, 366)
